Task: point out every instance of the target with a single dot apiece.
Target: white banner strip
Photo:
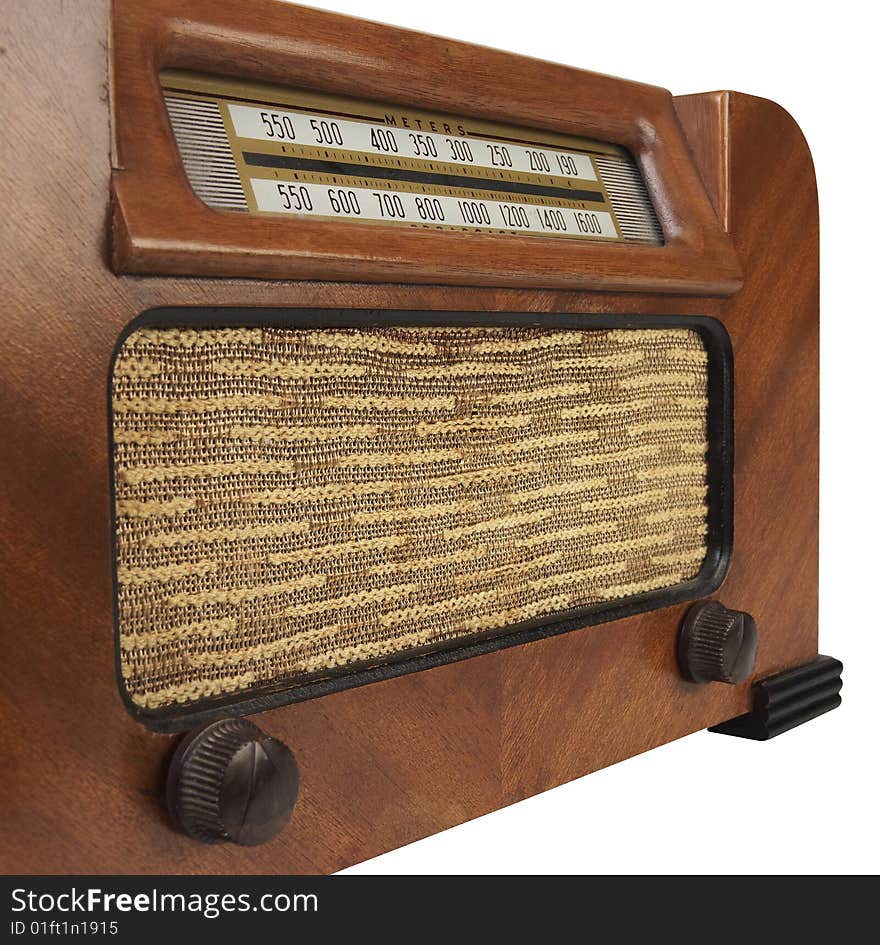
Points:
(283, 127)
(362, 203)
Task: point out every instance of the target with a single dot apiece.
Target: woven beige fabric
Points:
(291, 501)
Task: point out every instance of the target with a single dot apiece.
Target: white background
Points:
(807, 801)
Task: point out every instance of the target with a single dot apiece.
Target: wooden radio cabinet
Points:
(223, 200)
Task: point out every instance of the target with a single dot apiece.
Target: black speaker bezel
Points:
(720, 430)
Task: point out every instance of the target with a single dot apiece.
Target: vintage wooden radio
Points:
(369, 432)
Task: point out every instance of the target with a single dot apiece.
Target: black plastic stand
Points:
(789, 699)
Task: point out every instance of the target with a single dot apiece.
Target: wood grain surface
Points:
(704, 120)
(389, 763)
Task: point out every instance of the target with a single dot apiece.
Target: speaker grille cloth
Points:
(294, 501)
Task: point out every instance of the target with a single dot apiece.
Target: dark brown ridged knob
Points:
(717, 644)
(229, 782)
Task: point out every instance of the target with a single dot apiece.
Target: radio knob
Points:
(717, 644)
(230, 782)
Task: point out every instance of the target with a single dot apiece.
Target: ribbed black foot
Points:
(788, 699)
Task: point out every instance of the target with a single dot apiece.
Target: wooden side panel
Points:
(774, 325)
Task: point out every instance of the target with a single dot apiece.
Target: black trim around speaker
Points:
(720, 498)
